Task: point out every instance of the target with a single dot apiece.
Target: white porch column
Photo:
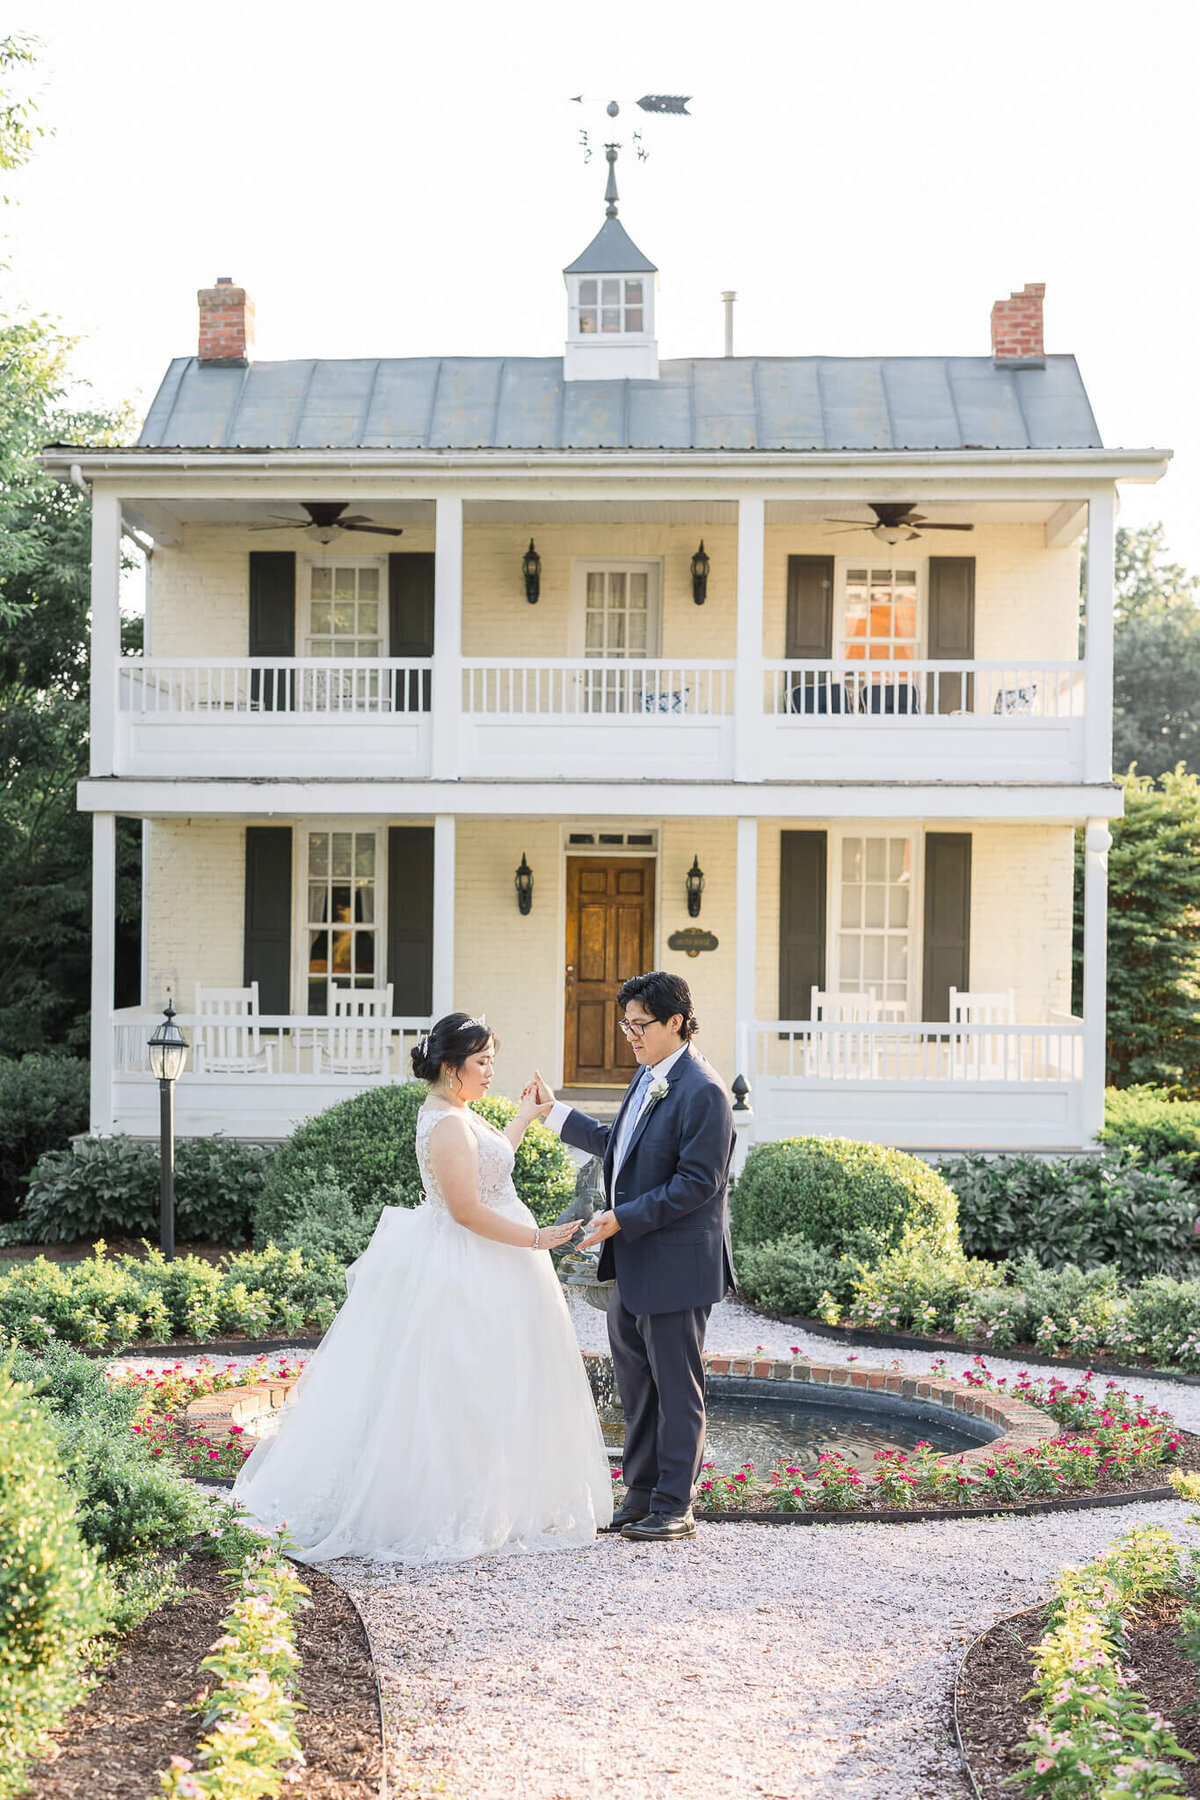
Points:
(104, 914)
(106, 628)
(746, 952)
(1098, 642)
(447, 635)
(443, 914)
(1097, 843)
(748, 680)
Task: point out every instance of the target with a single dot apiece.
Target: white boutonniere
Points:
(658, 1091)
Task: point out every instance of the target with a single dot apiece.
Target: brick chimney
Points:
(226, 324)
(1017, 328)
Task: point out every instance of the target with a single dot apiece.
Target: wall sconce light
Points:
(523, 882)
(694, 883)
(700, 568)
(531, 569)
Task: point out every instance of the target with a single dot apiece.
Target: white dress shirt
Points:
(658, 1072)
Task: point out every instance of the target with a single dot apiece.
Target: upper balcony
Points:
(811, 649)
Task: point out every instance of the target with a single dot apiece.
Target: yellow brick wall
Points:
(195, 890)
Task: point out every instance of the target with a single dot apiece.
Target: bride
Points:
(447, 1413)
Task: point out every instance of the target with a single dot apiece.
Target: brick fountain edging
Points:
(1020, 1425)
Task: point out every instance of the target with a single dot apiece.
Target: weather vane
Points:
(649, 103)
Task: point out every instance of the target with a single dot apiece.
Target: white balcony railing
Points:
(222, 688)
(598, 689)
(815, 1053)
(257, 1049)
(853, 693)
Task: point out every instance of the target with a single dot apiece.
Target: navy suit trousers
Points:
(659, 1369)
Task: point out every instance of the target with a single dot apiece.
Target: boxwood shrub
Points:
(842, 1196)
(109, 1187)
(43, 1105)
(361, 1156)
(1160, 1129)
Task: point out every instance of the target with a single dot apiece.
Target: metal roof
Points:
(802, 403)
(611, 252)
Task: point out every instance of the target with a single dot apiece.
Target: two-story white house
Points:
(485, 682)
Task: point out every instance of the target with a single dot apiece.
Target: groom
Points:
(665, 1234)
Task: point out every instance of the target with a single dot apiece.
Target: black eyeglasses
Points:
(635, 1027)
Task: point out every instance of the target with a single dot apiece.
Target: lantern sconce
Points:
(531, 569)
(523, 882)
(700, 568)
(694, 883)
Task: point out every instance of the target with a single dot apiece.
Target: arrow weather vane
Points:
(649, 103)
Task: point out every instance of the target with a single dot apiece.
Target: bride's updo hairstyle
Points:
(449, 1044)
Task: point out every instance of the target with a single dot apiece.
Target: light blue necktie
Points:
(633, 1114)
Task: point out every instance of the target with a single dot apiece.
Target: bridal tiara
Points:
(422, 1043)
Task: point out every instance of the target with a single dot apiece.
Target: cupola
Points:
(610, 303)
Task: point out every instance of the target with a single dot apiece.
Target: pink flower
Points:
(214, 1456)
(181, 1762)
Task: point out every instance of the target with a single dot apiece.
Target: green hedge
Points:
(329, 1183)
(842, 1196)
(109, 1186)
(1160, 1129)
(1106, 1209)
(43, 1105)
(53, 1597)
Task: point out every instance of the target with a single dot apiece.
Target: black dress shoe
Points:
(628, 1513)
(659, 1526)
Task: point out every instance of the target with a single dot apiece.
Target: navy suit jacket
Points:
(670, 1194)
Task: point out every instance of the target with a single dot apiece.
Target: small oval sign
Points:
(692, 941)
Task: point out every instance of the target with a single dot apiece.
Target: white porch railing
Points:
(292, 1047)
(275, 690)
(597, 688)
(855, 692)
(814, 1054)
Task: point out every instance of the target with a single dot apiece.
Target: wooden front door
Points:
(610, 936)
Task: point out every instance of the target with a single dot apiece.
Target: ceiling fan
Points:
(897, 522)
(325, 522)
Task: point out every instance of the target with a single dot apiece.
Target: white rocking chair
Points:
(843, 1055)
(359, 1039)
(228, 1037)
(983, 1055)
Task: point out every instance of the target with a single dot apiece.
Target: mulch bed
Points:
(80, 1249)
(130, 1726)
(998, 1670)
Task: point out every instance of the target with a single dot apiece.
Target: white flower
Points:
(659, 1089)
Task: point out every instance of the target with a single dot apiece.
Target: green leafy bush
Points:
(1160, 1129)
(1089, 1210)
(110, 1185)
(842, 1196)
(366, 1147)
(43, 1105)
(106, 1302)
(53, 1598)
(793, 1276)
(916, 1288)
(326, 1219)
(1163, 1322)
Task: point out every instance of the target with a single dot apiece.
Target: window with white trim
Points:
(342, 914)
(875, 919)
(619, 617)
(611, 303)
(880, 613)
(345, 608)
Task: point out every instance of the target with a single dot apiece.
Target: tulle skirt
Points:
(446, 1414)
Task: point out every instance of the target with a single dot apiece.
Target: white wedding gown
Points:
(447, 1413)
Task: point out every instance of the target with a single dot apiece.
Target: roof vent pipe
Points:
(728, 296)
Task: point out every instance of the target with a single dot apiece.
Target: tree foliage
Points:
(17, 128)
(1156, 717)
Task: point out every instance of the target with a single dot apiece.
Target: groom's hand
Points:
(606, 1226)
(545, 1093)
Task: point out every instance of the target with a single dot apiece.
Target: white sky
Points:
(400, 180)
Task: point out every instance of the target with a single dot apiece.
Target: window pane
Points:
(852, 859)
(587, 293)
(318, 953)
(876, 853)
(317, 895)
(587, 320)
(364, 901)
(610, 318)
(898, 907)
(610, 292)
(616, 631)
(318, 853)
(343, 619)
(594, 631)
(365, 952)
(341, 904)
(872, 958)
(637, 631)
(342, 841)
(875, 905)
(368, 584)
(343, 584)
(322, 583)
(322, 647)
(616, 591)
(633, 318)
(898, 858)
(368, 615)
(633, 293)
(637, 590)
(851, 905)
(849, 961)
(322, 616)
(341, 952)
(364, 853)
(367, 647)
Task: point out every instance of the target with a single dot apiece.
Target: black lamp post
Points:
(523, 882)
(694, 882)
(700, 568)
(531, 569)
(168, 1055)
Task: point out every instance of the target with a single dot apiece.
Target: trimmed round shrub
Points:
(1160, 1129)
(43, 1105)
(109, 1186)
(364, 1153)
(793, 1276)
(845, 1197)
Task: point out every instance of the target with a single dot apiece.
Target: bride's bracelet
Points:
(537, 1237)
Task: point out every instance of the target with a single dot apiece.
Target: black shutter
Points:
(951, 630)
(410, 919)
(267, 934)
(809, 608)
(947, 919)
(410, 624)
(803, 858)
(272, 625)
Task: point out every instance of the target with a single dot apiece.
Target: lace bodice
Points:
(496, 1158)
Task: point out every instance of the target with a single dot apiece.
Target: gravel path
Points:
(797, 1662)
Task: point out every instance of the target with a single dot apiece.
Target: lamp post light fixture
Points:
(531, 569)
(523, 882)
(694, 883)
(168, 1055)
(700, 568)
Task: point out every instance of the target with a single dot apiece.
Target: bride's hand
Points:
(554, 1236)
(545, 1093)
